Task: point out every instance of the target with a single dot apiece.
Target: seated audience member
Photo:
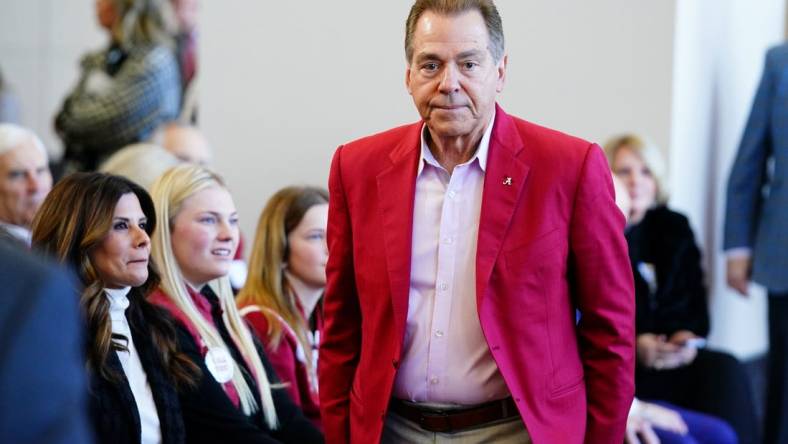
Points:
(671, 310)
(660, 422)
(9, 104)
(281, 299)
(25, 180)
(100, 226)
(239, 400)
(42, 380)
(141, 163)
(125, 91)
(184, 141)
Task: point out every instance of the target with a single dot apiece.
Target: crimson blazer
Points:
(551, 240)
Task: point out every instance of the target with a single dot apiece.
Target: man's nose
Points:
(33, 182)
(449, 79)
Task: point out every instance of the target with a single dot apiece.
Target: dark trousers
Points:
(715, 383)
(776, 427)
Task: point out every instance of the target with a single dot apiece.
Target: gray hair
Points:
(13, 136)
(142, 163)
(486, 8)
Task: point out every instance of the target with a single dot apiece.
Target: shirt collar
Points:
(21, 233)
(118, 298)
(481, 151)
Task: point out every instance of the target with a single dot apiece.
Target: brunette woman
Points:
(101, 225)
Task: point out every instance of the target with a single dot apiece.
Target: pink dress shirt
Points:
(445, 357)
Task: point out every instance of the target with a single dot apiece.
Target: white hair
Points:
(141, 163)
(13, 136)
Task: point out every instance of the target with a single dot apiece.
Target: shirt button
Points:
(443, 286)
(434, 380)
(447, 240)
(452, 194)
(439, 333)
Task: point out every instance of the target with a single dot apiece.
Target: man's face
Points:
(25, 181)
(452, 77)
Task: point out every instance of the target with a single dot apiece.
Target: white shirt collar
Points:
(21, 233)
(118, 299)
(481, 151)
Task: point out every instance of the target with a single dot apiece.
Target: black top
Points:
(113, 409)
(211, 417)
(663, 243)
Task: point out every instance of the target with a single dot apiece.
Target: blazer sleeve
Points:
(748, 175)
(686, 307)
(603, 287)
(282, 357)
(341, 337)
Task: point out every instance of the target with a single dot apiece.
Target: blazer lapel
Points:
(396, 192)
(125, 394)
(504, 182)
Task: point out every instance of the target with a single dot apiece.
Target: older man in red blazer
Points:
(461, 249)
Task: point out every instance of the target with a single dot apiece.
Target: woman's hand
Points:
(657, 352)
(663, 418)
(639, 431)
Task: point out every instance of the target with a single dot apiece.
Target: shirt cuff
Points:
(739, 253)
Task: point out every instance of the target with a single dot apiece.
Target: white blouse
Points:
(132, 367)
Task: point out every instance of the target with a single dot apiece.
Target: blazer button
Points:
(395, 363)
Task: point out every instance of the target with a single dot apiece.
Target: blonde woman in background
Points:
(125, 91)
(282, 297)
(239, 399)
(671, 312)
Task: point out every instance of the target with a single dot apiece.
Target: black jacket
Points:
(211, 417)
(664, 240)
(113, 409)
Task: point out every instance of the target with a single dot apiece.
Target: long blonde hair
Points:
(169, 192)
(266, 285)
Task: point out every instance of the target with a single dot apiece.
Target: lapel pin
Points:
(507, 181)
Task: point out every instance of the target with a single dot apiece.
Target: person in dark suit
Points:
(43, 390)
(100, 225)
(755, 237)
(671, 309)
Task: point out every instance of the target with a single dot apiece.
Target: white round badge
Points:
(220, 364)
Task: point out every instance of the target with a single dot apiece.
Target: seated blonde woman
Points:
(239, 399)
(672, 316)
(282, 298)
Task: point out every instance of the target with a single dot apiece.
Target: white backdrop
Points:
(284, 83)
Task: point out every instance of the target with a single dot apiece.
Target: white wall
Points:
(284, 83)
(41, 42)
(720, 47)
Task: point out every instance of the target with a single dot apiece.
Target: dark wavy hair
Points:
(74, 219)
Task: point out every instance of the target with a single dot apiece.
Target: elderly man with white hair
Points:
(25, 179)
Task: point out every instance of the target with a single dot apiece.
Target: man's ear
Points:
(407, 79)
(502, 72)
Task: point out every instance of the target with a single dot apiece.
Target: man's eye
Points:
(470, 65)
(430, 66)
(16, 175)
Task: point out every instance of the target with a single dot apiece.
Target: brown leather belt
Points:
(455, 420)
